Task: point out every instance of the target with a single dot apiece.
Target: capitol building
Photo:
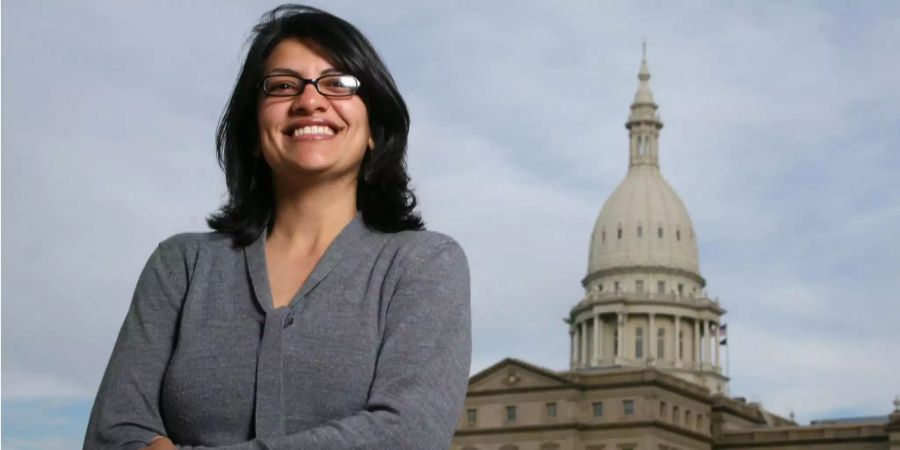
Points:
(645, 369)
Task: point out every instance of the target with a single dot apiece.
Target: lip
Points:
(310, 121)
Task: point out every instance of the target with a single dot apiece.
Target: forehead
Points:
(302, 56)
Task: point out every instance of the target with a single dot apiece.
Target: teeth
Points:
(313, 129)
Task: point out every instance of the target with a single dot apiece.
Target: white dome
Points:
(643, 224)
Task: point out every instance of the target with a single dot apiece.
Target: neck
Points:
(309, 217)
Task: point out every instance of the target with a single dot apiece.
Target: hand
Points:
(161, 443)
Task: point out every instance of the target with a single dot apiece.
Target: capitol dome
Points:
(644, 225)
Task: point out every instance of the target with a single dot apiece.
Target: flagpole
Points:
(727, 359)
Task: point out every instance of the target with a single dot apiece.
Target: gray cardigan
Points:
(372, 353)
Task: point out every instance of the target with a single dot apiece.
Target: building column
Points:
(677, 349)
(706, 354)
(718, 364)
(621, 344)
(584, 337)
(651, 335)
(697, 355)
(598, 332)
(574, 337)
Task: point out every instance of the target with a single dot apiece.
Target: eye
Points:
(281, 85)
(338, 84)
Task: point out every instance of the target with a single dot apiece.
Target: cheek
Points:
(355, 114)
(266, 118)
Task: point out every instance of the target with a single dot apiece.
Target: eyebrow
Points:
(286, 71)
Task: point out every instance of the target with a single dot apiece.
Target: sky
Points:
(780, 136)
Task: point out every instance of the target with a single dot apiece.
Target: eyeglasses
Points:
(331, 85)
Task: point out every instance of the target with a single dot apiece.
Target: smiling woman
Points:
(319, 313)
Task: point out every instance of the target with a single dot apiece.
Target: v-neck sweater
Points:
(372, 352)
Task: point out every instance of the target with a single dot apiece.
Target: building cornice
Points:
(636, 299)
(583, 382)
(625, 270)
(782, 437)
(584, 426)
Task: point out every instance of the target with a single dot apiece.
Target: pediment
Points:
(514, 374)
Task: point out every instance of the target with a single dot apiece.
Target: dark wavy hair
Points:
(383, 195)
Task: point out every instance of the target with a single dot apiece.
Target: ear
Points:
(371, 144)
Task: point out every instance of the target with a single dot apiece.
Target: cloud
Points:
(779, 137)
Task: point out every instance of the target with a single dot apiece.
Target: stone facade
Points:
(645, 368)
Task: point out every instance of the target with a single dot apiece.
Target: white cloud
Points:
(42, 443)
(779, 137)
(814, 376)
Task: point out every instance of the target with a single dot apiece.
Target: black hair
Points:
(383, 196)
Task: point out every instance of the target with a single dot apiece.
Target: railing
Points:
(649, 296)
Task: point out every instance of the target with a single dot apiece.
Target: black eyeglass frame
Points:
(305, 81)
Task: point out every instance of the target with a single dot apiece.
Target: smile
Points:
(313, 130)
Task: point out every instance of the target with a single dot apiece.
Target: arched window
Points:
(678, 234)
(620, 233)
(661, 343)
(640, 231)
(639, 342)
(659, 232)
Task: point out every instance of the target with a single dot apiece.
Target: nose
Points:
(309, 101)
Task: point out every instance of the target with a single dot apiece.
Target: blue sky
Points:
(780, 136)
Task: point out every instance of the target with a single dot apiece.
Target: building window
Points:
(661, 343)
(628, 407)
(639, 343)
(639, 286)
(616, 342)
(640, 231)
(551, 409)
(619, 234)
(660, 287)
(675, 414)
(659, 232)
(472, 417)
(603, 236)
(678, 235)
(680, 344)
(616, 286)
(680, 289)
(687, 418)
(510, 413)
(699, 422)
(662, 410)
(598, 409)
(600, 287)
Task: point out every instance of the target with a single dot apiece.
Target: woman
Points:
(319, 315)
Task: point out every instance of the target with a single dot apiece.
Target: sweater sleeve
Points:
(126, 413)
(421, 375)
